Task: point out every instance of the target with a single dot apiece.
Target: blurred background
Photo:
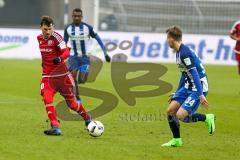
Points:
(205, 23)
(195, 16)
(137, 27)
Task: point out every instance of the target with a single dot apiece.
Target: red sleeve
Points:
(62, 47)
(234, 28)
(65, 53)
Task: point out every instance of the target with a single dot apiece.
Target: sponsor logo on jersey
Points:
(46, 50)
(50, 42)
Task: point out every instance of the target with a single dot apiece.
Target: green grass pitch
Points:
(22, 121)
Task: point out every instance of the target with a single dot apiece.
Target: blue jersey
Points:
(193, 75)
(80, 38)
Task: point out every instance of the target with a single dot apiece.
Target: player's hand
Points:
(203, 101)
(57, 60)
(107, 58)
(170, 97)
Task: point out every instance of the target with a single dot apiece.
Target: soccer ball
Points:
(95, 128)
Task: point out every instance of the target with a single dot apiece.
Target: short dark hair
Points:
(46, 20)
(175, 32)
(77, 10)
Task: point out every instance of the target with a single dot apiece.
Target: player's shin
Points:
(195, 118)
(78, 107)
(174, 125)
(52, 116)
(51, 112)
(83, 113)
(76, 92)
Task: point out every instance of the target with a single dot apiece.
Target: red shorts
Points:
(63, 84)
(237, 55)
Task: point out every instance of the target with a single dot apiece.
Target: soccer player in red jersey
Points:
(235, 35)
(55, 75)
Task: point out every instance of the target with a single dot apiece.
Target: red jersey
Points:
(50, 49)
(236, 31)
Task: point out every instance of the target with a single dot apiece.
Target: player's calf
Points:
(181, 114)
(78, 107)
(82, 78)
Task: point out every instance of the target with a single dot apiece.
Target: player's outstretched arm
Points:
(107, 57)
(64, 53)
(57, 60)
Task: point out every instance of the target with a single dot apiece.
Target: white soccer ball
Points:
(95, 128)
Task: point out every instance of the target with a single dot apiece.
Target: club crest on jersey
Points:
(187, 61)
(50, 42)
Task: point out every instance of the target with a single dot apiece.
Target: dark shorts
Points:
(79, 63)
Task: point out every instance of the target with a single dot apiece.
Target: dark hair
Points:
(77, 10)
(175, 32)
(46, 20)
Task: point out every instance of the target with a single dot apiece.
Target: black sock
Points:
(195, 118)
(76, 90)
(78, 98)
(174, 125)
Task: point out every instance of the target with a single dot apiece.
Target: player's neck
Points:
(178, 45)
(77, 24)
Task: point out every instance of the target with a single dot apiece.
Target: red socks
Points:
(78, 107)
(52, 116)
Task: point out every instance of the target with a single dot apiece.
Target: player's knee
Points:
(173, 108)
(180, 116)
(82, 78)
(82, 81)
(74, 74)
(71, 103)
(47, 99)
(171, 111)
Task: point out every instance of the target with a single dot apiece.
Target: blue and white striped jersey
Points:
(192, 70)
(79, 38)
